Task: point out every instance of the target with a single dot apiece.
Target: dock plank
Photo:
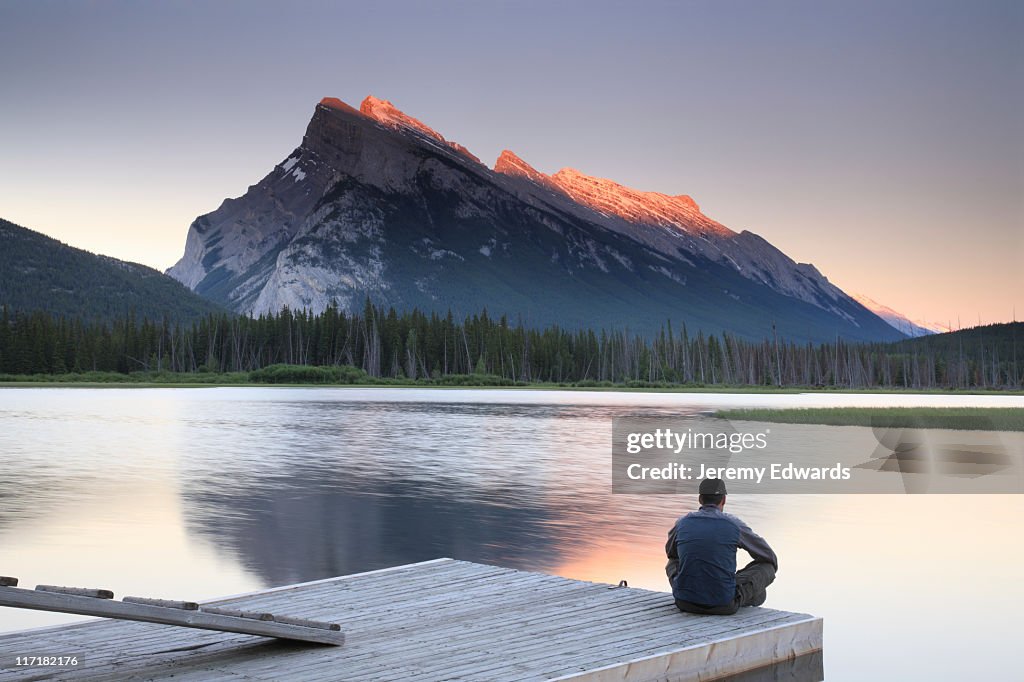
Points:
(443, 619)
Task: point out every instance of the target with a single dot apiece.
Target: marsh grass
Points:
(959, 418)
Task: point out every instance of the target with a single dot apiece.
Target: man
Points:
(701, 552)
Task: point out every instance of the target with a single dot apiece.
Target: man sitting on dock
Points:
(701, 552)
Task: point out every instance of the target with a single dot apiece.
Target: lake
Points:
(204, 492)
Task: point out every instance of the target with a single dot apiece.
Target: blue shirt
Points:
(705, 543)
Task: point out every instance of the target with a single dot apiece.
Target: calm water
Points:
(193, 493)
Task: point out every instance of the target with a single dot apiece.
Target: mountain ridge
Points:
(375, 203)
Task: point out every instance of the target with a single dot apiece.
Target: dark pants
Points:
(752, 582)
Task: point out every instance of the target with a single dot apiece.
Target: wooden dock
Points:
(438, 620)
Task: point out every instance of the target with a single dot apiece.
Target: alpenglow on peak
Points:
(386, 113)
(608, 197)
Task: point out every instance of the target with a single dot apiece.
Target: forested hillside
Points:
(1001, 341)
(40, 273)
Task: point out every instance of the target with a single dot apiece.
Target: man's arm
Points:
(756, 545)
(673, 558)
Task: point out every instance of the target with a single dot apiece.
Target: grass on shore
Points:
(299, 375)
(958, 418)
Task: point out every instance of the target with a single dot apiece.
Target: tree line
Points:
(383, 344)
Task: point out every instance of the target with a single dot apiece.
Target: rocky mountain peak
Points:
(387, 114)
(509, 163)
(649, 208)
(335, 103)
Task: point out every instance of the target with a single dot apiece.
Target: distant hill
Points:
(998, 339)
(41, 273)
(989, 355)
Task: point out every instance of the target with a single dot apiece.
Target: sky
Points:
(881, 141)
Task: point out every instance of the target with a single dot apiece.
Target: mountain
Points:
(375, 203)
(40, 273)
(899, 321)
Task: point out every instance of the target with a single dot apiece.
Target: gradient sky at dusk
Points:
(883, 142)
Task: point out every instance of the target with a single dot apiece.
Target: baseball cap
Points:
(712, 486)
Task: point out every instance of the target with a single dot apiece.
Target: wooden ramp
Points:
(437, 620)
(98, 602)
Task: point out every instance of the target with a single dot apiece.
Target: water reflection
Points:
(326, 530)
(807, 668)
(336, 488)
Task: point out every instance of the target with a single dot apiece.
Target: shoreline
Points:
(762, 390)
